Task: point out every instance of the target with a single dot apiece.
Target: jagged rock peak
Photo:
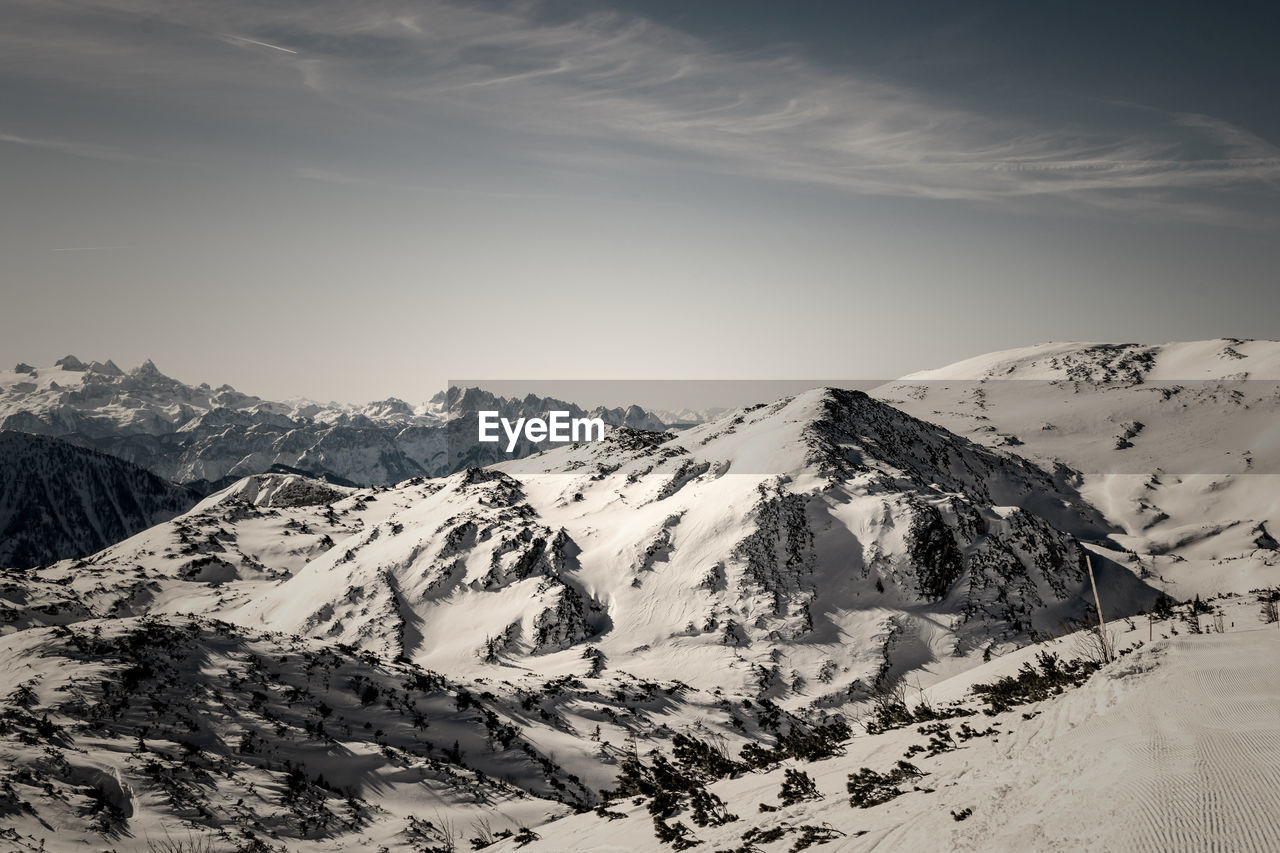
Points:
(107, 368)
(70, 362)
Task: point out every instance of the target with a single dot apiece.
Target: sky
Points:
(351, 201)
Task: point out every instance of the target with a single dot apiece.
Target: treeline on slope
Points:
(59, 501)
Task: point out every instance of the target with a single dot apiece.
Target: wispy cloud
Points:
(63, 146)
(328, 176)
(617, 83)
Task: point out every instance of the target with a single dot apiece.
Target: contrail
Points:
(90, 248)
(244, 40)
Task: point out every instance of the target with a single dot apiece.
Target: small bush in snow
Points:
(1034, 683)
(797, 787)
(868, 788)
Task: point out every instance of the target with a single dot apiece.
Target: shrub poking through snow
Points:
(692, 754)
(797, 787)
(940, 739)
(867, 788)
(819, 742)
(1050, 677)
(525, 836)
(889, 710)
(807, 836)
(679, 836)
(670, 788)
(968, 732)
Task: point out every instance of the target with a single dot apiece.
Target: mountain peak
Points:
(70, 362)
(107, 368)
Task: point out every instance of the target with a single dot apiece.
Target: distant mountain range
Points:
(203, 435)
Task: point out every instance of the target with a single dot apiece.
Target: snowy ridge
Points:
(881, 531)
(786, 564)
(1223, 358)
(786, 561)
(652, 546)
(1176, 443)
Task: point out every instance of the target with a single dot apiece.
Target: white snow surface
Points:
(1172, 747)
(1178, 444)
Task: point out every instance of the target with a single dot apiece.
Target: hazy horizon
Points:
(668, 395)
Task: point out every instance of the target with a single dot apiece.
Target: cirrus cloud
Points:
(608, 88)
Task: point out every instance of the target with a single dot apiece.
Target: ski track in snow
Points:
(1208, 766)
(1172, 748)
(1183, 759)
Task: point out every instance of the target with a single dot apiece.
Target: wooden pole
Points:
(1102, 626)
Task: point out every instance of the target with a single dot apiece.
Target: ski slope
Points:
(1173, 747)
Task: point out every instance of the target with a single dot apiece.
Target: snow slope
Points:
(743, 579)
(798, 550)
(223, 550)
(1172, 747)
(123, 732)
(1178, 444)
(802, 551)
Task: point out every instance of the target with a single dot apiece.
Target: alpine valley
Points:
(827, 621)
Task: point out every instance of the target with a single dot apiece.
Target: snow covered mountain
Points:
(200, 434)
(798, 543)
(747, 581)
(848, 531)
(692, 620)
(1177, 444)
(58, 500)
